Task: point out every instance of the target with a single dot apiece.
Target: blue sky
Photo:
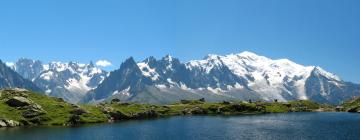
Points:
(310, 32)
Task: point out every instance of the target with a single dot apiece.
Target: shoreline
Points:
(25, 108)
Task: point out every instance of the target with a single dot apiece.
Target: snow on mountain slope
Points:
(240, 76)
(70, 81)
(265, 75)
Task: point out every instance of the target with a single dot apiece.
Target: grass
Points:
(352, 105)
(59, 112)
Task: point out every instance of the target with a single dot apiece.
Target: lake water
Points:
(316, 126)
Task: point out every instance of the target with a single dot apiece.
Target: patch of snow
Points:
(47, 76)
(161, 86)
(48, 91)
(184, 87)
(327, 74)
(123, 92)
(10, 64)
(147, 71)
(80, 85)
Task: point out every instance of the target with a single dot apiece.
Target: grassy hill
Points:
(352, 105)
(24, 108)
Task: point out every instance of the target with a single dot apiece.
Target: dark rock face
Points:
(130, 78)
(11, 79)
(56, 78)
(324, 90)
(18, 102)
(28, 68)
(129, 75)
(75, 120)
(139, 82)
(117, 115)
(146, 115)
(79, 111)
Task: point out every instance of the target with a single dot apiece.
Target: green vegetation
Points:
(20, 107)
(352, 105)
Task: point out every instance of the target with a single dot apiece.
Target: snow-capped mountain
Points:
(70, 81)
(232, 77)
(11, 79)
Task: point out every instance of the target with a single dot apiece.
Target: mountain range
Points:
(70, 81)
(243, 76)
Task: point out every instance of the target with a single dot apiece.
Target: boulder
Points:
(18, 102)
(115, 100)
(39, 119)
(75, 120)
(12, 123)
(147, 114)
(226, 102)
(32, 111)
(3, 123)
(117, 115)
(60, 100)
(198, 111)
(79, 111)
(75, 106)
(185, 101)
(8, 123)
(186, 111)
(106, 110)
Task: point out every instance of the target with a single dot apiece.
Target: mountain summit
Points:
(241, 76)
(11, 79)
(70, 81)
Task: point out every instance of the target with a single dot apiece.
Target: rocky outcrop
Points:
(76, 113)
(8, 123)
(18, 101)
(146, 115)
(33, 110)
(79, 111)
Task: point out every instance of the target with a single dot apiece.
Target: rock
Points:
(60, 105)
(79, 111)
(106, 110)
(185, 101)
(115, 100)
(75, 106)
(354, 110)
(124, 104)
(202, 100)
(18, 101)
(8, 123)
(186, 111)
(219, 110)
(2, 123)
(239, 107)
(226, 102)
(75, 120)
(198, 111)
(60, 100)
(33, 111)
(119, 116)
(12, 123)
(20, 90)
(147, 114)
(37, 107)
(39, 119)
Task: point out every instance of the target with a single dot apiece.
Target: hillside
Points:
(352, 105)
(19, 107)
